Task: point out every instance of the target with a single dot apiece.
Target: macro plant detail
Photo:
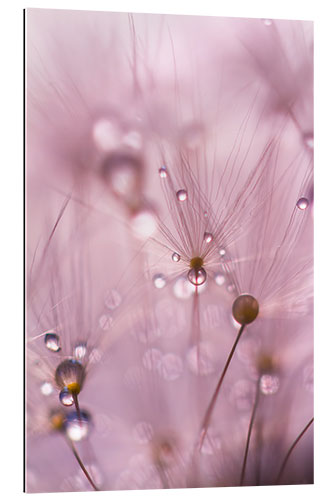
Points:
(169, 259)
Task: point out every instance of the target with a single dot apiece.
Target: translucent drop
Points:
(144, 224)
(197, 276)
(183, 289)
(80, 350)
(106, 135)
(302, 203)
(170, 367)
(208, 237)
(222, 252)
(159, 280)
(219, 279)
(175, 257)
(122, 172)
(105, 322)
(181, 195)
(46, 389)
(269, 384)
(163, 173)
(52, 342)
(112, 299)
(77, 428)
(66, 397)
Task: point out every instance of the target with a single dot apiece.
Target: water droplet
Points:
(46, 389)
(105, 322)
(80, 350)
(222, 252)
(52, 342)
(122, 172)
(163, 173)
(269, 384)
(267, 22)
(302, 203)
(106, 135)
(170, 367)
(152, 359)
(144, 223)
(205, 214)
(183, 289)
(197, 276)
(159, 280)
(175, 257)
(112, 299)
(181, 195)
(77, 428)
(208, 237)
(66, 397)
(143, 432)
(219, 279)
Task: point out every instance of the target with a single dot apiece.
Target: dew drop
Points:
(80, 350)
(77, 428)
(197, 276)
(144, 223)
(219, 279)
(181, 195)
(46, 389)
(159, 281)
(52, 342)
(175, 257)
(183, 289)
(302, 203)
(112, 299)
(163, 173)
(222, 252)
(208, 237)
(269, 384)
(66, 397)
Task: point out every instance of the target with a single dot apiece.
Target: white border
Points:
(11, 241)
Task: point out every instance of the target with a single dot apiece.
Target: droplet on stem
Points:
(197, 276)
(52, 342)
(302, 203)
(77, 428)
(163, 173)
(208, 237)
(181, 195)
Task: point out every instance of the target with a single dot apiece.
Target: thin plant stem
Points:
(299, 437)
(209, 411)
(246, 452)
(84, 470)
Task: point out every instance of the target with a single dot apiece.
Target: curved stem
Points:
(255, 406)
(299, 437)
(208, 414)
(84, 470)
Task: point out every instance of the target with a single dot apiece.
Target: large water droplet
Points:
(46, 389)
(181, 195)
(77, 428)
(175, 257)
(80, 350)
(52, 342)
(163, 173)
(302, 203)
(197, 276)
(144, 223)
(159, 280)
(66, 397)
(208, 237)
(269, 384)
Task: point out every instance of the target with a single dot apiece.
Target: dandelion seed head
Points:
(70, 374)
(245, 309)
